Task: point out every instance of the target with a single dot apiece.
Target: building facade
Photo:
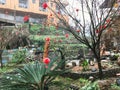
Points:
(13, 11)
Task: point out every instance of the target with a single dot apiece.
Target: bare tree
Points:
(11, 37)
(90, 19)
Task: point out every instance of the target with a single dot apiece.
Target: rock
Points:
(93, 69)
(105, 84)
(92, 63)
(91, 78)
(118, 81)
(118, 62)
(74, 64)
(74, 87)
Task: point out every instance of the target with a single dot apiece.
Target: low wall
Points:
(106, 73)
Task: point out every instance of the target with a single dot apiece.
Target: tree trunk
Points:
(100, 69)
(1, 51)
(63, 59)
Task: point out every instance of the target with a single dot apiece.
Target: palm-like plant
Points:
(34, 76)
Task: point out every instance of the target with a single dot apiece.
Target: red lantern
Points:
(47, 39)
(46, 61)
(66, 35)
(97, 31)
(77, 10)
(108, 21)
(101, 27)
(44, 5)
(26, 18)
(104, 26)
(78, 30)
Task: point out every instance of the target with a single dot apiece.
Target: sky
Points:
(73, 5)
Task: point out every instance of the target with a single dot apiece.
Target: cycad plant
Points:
(34, 76)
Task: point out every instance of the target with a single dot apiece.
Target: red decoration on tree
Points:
(77, 10)
(26, 18)
(66, 35)
(78, 30)
(108, 21)
(97, 31)
(104, 26)
(46, 61)
(101, 27)
(47, 39)
(44, 5)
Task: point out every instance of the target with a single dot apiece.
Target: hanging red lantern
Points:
(47, 39)
(77, 10)
(78, 30)
(66, 35)
(104, 26)
(44, 5)
(97, 31)
(26, 18)
(108, 21)
(46, 61)
(101, 27)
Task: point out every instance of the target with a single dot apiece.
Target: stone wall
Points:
(106, 74)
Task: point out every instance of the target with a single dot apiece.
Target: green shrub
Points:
(91, 86)
(19, 56)
(34, 76)
(85, 65)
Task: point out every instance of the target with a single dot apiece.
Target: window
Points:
(23, 3)
(2, 2)
(33, 1)
(51, 4)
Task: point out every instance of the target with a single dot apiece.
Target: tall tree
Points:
(90, 19)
